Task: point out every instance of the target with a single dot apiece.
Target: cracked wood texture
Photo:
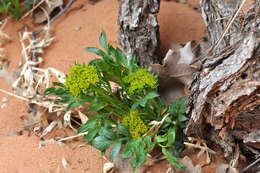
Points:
(139, 30)
(224, 97)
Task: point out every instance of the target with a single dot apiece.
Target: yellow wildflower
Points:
(80, 77)
(134, 124)
(139, 80)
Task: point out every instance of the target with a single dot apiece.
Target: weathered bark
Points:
(215, 14)
(227, 87)
(181, 1)
(139, 30)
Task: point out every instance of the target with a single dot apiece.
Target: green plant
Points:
(11, 7)
(15, 8)
(133, 116)
(170, 135)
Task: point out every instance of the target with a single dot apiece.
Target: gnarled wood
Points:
(228, 83)
(139, 30)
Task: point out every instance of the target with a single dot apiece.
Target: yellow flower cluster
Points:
(134, 124)
(80, 77)
(139, 80)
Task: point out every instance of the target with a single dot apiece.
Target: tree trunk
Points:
(224, 97)
(139, 30)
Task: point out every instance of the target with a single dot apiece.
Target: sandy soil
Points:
(21, 154)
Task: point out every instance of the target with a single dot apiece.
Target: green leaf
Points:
(101, 143)
(122, 57)
(182, 107)
(132, 64)
(140, 153)
(103, 153)
(182, 118)
(123, 130)
(148, 142)
(171, 136)
(168, 120)
(177, 109)
(59, 84)
(95, 63)
(107, 133)
(51, 91)
(89, 125)
(95, 50)
(91, 134)
(172, 159)
(128, 150)
(149, 96)
(115, 150)
(74, 104)
(102, 40)
(138, 160)
(108, 60)
(161, 139)
(142, 102)
(112, 50)
(57, 91)
(95, 107)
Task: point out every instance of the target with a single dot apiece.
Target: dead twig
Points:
(230, 22)
(3, 24)
(156, 125)
(72, 137)
(34, 7)
(34, 52)
(26, 99)
(251, 165)
(34, 37)
(14, 95)
(200, 147)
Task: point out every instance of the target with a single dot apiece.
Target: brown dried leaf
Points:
(33, 119)
(156, 125)
(83, 117)
(190, 168)
(176, 71)
(178, 66)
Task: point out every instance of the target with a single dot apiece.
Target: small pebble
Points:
(13, 133)
(4, 103)
(77, 28)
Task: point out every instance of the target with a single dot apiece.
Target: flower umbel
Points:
(80, 77)
(134, 124)
(139, 80)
